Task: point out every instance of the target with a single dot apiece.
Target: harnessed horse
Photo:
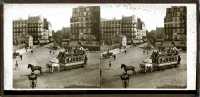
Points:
(148, 67)
(126, 68)
(52, 67)
(33, 68)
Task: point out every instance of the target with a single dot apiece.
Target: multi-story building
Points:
(175, 24)
(160, 33)
(36, 27)
(20, 32)
(46, 34)
(140, 34)
(129, 24)
(85, 26)
(111, 30)
(67, 32)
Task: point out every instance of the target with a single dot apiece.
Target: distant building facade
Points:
(85, 26)
(160, 33)
(35, 26)
(133, 29)
(111, 30)
(40, 29)
(67, 32)
(175, 24)
(129, 27)
(20, 30)
(140, 33)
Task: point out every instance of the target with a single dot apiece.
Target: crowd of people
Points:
(70, 53)
(170, 51)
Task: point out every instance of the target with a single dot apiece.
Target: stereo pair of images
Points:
(100, 46)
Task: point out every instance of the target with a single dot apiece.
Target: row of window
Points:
(175, 25)
(81, 19)
(81, 9)
(176, 9)
(175, 14)
(111, 30)
(81, 30)
(175, 30)
(175, 19)
(86, 24)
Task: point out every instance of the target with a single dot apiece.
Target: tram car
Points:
(160, 61)
(72, 60)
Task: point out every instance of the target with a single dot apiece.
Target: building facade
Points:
(129, 27)
(111, 30)
(85, 26)
(175, 24)
(35, 26)
(20, 32)
(140, 33)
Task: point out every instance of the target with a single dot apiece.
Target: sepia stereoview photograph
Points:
(100, 46)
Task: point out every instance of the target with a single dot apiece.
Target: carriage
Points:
(159, 62)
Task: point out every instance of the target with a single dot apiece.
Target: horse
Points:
(49, 67)
(126, 68)
(33, 68)
(52, 67)
(148, 67)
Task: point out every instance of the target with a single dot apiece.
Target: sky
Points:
(59, 14)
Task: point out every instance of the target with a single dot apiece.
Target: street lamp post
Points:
(33, 80)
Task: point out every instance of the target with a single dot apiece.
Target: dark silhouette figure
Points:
(125, 79)
(16, 65)
(125, 51)
(114, 56)
(110, 64)
(179, 59)
(21, 57)
(33, 78)
(85, 61)
(31, 51)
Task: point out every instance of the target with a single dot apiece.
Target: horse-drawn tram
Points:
(72, 60)
(160, 60)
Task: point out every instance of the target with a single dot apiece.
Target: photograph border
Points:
(61, 92)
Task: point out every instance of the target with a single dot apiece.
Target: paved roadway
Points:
(89, 76)
(82, 77)
(170, 77)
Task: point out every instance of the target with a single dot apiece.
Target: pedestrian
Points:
(50, 51)
(125, 51)
(86, 58)
(16, 65)
(31, 51)
(110, 63)
(114, 56)
(21, 57)
(26, 49)
(179, 59)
